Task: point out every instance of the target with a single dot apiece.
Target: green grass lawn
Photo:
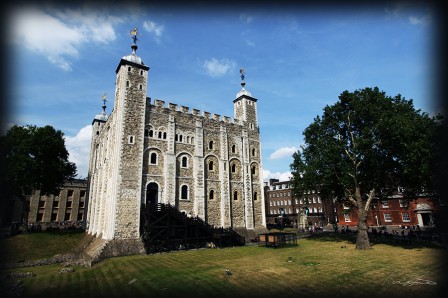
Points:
(36, 246)
(327, 266)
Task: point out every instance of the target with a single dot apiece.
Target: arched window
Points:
(160, 135)
(184, 162)
(211, 196)
(253, 170)
(127, 84)
(151, 133)
(164, 135)
(233, 148)
(146, 133)
(180, 138)
(253, 152)
(184, 192)
(233, 168)
(153, 158)
(210, 145)
(255, 196)
(210, 165)
(235, 195)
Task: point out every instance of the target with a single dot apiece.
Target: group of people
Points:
(17, 228)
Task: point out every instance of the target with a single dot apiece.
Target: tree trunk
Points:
(362, 241)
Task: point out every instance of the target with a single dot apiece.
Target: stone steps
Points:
(93, 250)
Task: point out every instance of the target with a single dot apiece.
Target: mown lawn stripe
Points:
(324, 267)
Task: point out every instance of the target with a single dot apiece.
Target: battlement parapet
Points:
(195, 112)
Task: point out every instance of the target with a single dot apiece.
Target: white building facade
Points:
(146, 152)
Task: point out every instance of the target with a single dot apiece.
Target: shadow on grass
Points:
(388, 240)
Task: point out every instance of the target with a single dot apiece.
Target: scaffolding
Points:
(277, 239)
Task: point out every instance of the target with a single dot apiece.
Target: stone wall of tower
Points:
(148, 152)
(217, 163)
(116, 160)
(103, 171)
(131, 125)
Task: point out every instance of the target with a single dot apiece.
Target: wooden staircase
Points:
(165, 228)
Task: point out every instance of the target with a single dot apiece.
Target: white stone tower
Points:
(115, 172)
(144, 153)
(245, 110)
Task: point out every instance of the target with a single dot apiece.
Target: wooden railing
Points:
(165, 228)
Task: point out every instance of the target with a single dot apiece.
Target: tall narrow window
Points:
(184, 192)
(233, 148)
(127, 84)
(184, 162)
(235, 195)
(164, 135)
(211, 195)
(153, 158)
(151, 133)
(253, 170)
(160, 135)
(255, 196)
(180, 138)
(146, 133)
(176, 137)
(210, 166)
(210, 145)
(253, 152)
(233, 168)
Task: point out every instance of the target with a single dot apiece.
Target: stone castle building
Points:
(145, 152)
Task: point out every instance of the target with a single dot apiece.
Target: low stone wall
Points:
(72, 259)
(250, 234)
(122, 247)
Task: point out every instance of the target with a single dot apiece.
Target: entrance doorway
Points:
(426, 219)
(152, 194)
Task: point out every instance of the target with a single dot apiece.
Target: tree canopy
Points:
(366, 143)
(34, 158)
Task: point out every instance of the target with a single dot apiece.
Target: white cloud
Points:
(408, 10)
(277, 175)
(215, 67)
(250, 43)
(57, 34)
(152, 27)
(283, 153)
(79, 149)
(246, 18)
(424, 20)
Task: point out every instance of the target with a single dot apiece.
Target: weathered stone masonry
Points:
(146, 152)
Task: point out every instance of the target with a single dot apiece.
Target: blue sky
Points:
(297, 60)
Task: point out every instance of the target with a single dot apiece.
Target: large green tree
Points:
(33, 158)
(365, 144)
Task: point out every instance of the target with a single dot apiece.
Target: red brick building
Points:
(396, 210)
(285, 209)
